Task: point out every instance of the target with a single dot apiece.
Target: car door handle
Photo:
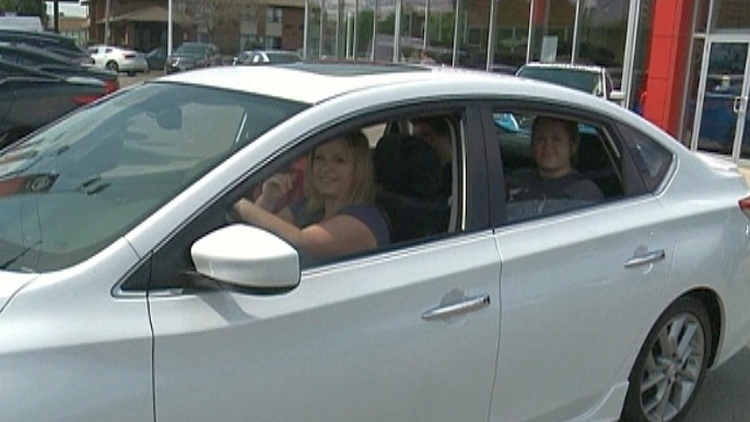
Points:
(644, 258)
(469, 304)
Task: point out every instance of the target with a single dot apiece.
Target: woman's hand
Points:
(276, 188)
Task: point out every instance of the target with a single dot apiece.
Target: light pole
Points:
(106, 23)
(169, 27)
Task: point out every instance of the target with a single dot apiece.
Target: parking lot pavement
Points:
(725, 396)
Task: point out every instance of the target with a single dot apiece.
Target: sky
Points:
(68, 9)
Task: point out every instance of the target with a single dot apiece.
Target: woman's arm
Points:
(340, 235)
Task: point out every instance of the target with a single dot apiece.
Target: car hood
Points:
(10, 283)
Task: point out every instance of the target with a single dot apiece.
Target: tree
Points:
(213, 13)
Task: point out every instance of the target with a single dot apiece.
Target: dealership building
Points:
(683, 64)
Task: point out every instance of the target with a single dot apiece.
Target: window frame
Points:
(631, 181)
(170, 259)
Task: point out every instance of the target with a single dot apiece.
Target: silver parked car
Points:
(118, 59)
(587, 78)
(133, 287)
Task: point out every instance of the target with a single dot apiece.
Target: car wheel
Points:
(671, 365)
(131, 73)
(112, 65)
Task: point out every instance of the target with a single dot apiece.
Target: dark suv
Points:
(193, 55)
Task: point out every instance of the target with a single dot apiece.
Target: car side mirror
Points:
(247, 257)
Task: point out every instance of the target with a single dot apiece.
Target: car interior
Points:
(597, 159)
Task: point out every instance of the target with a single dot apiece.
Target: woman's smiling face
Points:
(333, 169)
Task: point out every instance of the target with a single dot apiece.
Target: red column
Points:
(671, 31)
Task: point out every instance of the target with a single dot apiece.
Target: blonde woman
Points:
(338, 215)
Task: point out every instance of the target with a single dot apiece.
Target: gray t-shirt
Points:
(530, 195)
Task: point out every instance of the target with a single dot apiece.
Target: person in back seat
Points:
(338, 216)
(554, 142)
(436, 133)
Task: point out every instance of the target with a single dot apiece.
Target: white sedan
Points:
(118, 59)
(129, 291)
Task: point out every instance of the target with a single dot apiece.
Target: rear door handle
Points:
(469, 304)
(644, 258)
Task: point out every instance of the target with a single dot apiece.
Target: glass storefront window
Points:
(691, 98)
(511, 35)
(552, 29)
(601, 35)
(312, 29)
(730, 15)
(440, 31)
(701, 18)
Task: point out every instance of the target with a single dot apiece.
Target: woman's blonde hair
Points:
(362, 188)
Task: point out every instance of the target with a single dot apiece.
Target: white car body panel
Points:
(340, 345)
(555, 299)
(77, 352)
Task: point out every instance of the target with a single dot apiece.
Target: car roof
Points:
(312, 82)
(31, 50)
(570, 66)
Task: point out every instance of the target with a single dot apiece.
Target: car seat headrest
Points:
(407, 165)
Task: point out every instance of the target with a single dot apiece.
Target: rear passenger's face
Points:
(333, 169)
(551, 147)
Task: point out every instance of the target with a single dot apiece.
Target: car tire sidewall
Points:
(112, 65)
(632, 410)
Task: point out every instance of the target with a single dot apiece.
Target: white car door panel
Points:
(568, 283)
(351, 342)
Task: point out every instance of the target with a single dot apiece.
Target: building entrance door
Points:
(721, 121)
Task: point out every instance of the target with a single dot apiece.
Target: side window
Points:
(349, 192)
(555, 163)
(651, 159)
(359, 190)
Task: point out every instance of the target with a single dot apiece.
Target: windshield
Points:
(579, 79)
(194, 49)
(70, 190)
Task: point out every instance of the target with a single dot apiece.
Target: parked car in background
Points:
(118, 59)
(131, 287)
(156, 58)
(254, 57)
(49, 61)
(587, 78)
(31, 98)
(193, 55)
(49, 41)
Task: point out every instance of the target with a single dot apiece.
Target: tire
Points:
(112, 66)
(131, 73)
(665, 379)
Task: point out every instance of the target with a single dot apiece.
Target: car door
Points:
(407, 333)
(580, 286)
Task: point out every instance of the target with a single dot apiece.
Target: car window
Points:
(554, 163)
(413, 193)
(651, 158)
(108, 167)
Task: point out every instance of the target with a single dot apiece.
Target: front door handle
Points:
(644, 258)
(469, 304)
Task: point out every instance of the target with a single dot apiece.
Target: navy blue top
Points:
(370, 215)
